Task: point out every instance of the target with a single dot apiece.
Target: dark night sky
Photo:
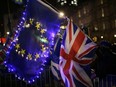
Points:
(13, 7)
(16, 8)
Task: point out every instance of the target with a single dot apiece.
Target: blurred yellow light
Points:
(94, 39)
(61, 14)
(7, 33)
(114, 35)
(102, 37)
(62, 27)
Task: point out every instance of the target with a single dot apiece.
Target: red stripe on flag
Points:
(70, 31)
(85, 52)
(77, 43)
(66, 71)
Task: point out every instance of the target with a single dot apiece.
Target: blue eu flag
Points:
(28, 50)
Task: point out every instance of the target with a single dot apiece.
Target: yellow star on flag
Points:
(17, 46)
(22, 52)
(43, 49)
(31, 21)
(29, 56)
(42, 31)
(37, 56)
(37, 25)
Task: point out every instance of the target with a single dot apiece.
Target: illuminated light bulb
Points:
(21, 22)
(17, 39)
(16, 50)
(7, 52)
(11, 42)
(102, 37)
(12, 70)
(62, 27)
(41, 68)
(14, 44)
(4, 62)
(61, 14)
(7, 33)
(8, 69)
(19, 78)
(27, 25)
(29, 81)
(9, 47)
(19, 52)
(35, 59)
(33, 80)
(22, 55)
(5, 65)
(27, 58)
(23, 79)
(53, 35)
(16, 31)
(114, 35)
(23, 18)
(15, 75)
(24, 13)
(45, 61)
(37, 76)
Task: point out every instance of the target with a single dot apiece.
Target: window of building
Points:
(79, 14)
(102, 12)
(101, 2)
(85, 11)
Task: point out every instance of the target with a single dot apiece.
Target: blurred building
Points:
(9, 24)
(99, 16)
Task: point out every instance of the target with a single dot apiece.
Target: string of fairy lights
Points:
(42, 39)
(14, 43)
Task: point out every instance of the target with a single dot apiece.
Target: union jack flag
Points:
(77, 50)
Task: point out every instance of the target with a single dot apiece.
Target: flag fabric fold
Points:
(55, 60)
(77, 51)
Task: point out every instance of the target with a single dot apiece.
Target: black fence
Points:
(108, 81)
(46, 80)
(9, 80)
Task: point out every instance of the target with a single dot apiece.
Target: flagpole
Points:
(51, 5)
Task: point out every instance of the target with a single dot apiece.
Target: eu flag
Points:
(28, 49)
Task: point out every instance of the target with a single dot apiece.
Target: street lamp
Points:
(61, 14)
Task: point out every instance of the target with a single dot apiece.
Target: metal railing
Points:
(46, 80)
(108, 81)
